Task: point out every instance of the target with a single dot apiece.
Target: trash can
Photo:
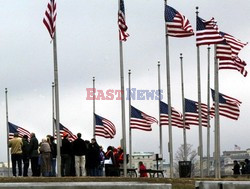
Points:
(185, 169)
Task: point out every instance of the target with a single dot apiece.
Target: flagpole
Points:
(58, 159)
(94, 107)
(183, 110)
(7, 128)
(208, 107)
(217, 118)
(160, 127)
(170, 145)
(130, 130)
(199, 107)
(123, 106)
(53, 109)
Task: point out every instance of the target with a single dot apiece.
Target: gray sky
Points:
(87, 37)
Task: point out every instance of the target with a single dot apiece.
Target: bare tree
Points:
(191, 156)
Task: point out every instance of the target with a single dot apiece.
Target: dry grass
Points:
(179, 183)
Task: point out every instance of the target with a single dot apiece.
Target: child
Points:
(142, 170)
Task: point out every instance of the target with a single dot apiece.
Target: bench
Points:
(130, 172)
(155, 173)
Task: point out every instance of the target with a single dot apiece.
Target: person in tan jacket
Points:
(16, 154)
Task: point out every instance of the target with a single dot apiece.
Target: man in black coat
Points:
(94, 157)
(34, 155)
(66, 152)
(25, 155)
(79, 151)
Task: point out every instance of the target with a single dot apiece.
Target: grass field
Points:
(179, 183)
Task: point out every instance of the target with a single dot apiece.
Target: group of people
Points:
(242, 167)
(78, 158)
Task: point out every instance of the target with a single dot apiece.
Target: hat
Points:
(65, 134)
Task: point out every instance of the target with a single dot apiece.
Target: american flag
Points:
(122, 23)
(16, 129)
(236, 147)
(177, 118)
(234, 64)
(235, 44)
(140, 120)
(207, 32)
(64, 129)
(192, 115)
(177, 24)
(227, 53)
(50, 18)
(104, 127)
(228, 106)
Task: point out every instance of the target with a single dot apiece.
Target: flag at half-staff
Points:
(140, 120)
(177, 24)
(17, 129)
(122, 22)
(64, 130)
(227, 52)
(104, 127)
(192, 115)
(177, 118)
(228, 106)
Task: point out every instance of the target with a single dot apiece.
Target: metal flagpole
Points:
(94, 107)
(7, 128)
(58, 159)
(130, 130)
(53, 109)
(160, 127)
(170, 144)
(123, 107)
(217, 118)
(208, 115)
(183, 110)
(200, 149)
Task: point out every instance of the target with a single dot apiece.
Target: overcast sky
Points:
(88, 46)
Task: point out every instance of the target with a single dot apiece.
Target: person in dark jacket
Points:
(87, 166)
(247, 168)
(66, 151)
(25, 155)
(94, 157)
(34, 155)
(109, 162)
(79, 151)
(53, 148)
(236, 168)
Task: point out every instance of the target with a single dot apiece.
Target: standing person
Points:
(236, 168)
(25, 155)
(53, 149)
(243, 167)
(109, 162)
(16, 154)
(34, 155)
(45, 157)
(247, 168)
(87, 166)
(79, 151)
(142, 170)
(94, 154)
(66, 151)
(101, 165)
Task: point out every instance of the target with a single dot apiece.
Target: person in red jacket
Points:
(142, 170)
